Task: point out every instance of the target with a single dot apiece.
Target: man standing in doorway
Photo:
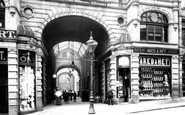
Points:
(126, 88)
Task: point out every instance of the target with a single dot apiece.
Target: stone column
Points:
(13, 85)
(175, 76)
(113, 76)
(39, 103)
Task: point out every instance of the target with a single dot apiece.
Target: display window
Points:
(154, 77)
(26, 81)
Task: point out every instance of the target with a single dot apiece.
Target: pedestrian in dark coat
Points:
(110, 97)
(74, 96)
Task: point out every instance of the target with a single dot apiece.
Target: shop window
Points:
(183, 62)
(183, 76)
(153, 27)
(26, 80)
(154, 76)
(2, 14)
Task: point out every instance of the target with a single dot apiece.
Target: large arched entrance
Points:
(64, 39)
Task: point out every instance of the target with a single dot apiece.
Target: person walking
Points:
(110, 97)
(58, 95)
(74, 96)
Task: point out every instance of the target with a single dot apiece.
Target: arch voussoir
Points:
(59, 12)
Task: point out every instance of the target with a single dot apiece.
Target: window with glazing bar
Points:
(154, 27)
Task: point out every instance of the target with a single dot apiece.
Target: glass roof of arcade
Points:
(78, 47)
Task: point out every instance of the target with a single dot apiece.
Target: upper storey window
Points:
(153, 27)
(2, 14)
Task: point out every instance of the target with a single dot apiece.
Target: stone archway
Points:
(57, 13)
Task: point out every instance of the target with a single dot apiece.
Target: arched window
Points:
(2, 14)
(154, 27)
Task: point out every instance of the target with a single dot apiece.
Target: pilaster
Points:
(39, 103)
(13, 86)
(134, 78)
(175, 76)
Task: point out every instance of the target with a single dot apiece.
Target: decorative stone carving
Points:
(12, 49)
(175, 57)
(28, 11)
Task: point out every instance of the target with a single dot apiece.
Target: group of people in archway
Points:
(69, 95)
(65, 95)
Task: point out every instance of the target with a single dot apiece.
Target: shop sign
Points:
(26, 57)
(3, 54)
(154, 61)
(155, 50)
(7, 34)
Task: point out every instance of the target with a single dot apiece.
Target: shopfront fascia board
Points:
(148, 50)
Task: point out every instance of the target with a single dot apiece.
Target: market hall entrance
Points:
(64, 39)
(3, 89)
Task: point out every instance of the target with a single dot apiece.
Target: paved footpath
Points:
(82, 108)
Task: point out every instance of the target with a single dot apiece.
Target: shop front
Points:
(154, 76)
(158, 78)
(29, 77)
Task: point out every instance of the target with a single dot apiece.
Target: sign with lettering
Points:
(7, 34)
(26, 57)
(154, 61)
(3, 54)
(155, 50)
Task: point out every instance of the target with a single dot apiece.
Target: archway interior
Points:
(64, 39)
(68, 79)
(74, 28)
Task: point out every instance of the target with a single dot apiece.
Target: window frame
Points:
(159, 21)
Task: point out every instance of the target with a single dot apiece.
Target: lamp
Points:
(91, 44)
(12, 11)
(54, 76)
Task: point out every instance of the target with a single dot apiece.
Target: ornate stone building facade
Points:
(139, 53)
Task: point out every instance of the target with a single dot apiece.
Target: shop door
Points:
(3, 89)
(124, 79)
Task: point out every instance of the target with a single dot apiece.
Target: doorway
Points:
(4, 88)
(124, 81)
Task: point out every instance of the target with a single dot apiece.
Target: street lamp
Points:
(91, 44)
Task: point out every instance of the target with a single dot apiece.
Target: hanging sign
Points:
(26, 57)
(3, 54)
(7, 34)
(154, 61)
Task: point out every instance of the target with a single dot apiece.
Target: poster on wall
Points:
(26, 81)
